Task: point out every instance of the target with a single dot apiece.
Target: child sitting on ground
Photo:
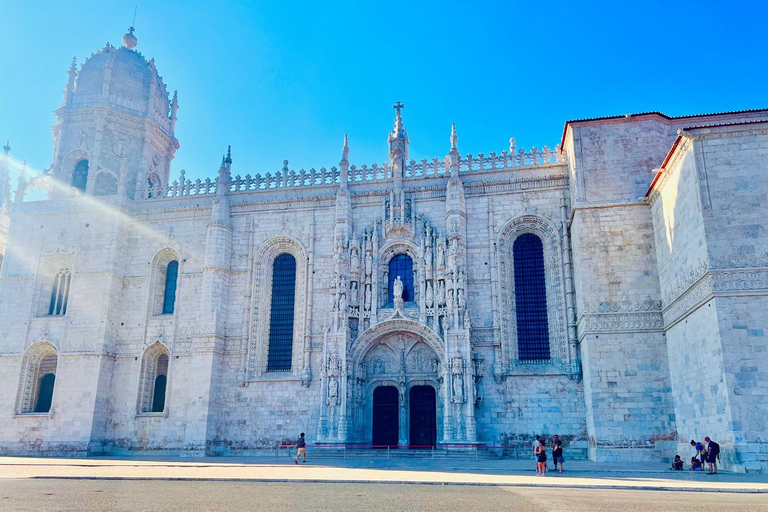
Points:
(695, 464)
(677, 464)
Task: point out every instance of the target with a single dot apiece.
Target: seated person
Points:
(677, 464)
(695, 464)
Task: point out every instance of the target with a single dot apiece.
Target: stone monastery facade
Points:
(613, 290)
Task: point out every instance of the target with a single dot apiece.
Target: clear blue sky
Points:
(285, 80)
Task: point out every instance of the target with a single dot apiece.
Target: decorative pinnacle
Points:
(454, 138)
(399, 131)
(175, 97)
(345, 150)
(7, 147)
(73, 66)
(228, 159)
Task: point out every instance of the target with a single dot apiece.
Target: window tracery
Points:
(260, 327)
(153, 383)
(553, 298)
(38, 378)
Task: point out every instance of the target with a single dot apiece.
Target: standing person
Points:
(713, 453)
(701, 451)
(557, 453)
(541, 458)
(533, 451)
(301, 446)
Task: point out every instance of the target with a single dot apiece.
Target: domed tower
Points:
(115, 126)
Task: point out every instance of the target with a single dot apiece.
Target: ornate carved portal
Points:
(400, 361)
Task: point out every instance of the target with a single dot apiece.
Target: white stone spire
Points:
(454, 157)
(398, 148)
(344, 164)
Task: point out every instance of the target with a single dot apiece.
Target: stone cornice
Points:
(716, 283)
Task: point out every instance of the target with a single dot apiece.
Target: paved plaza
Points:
(157, 496)
(361, 470)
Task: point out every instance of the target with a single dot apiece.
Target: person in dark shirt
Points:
(677, 464)
(713, 453)
(541, 458)
(557, 453)
(301, 444)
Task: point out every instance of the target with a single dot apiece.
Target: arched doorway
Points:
(423, 412)
(386, 417)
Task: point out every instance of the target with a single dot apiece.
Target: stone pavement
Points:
(579, 474)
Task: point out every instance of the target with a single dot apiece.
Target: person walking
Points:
(541, 458)
(557, 453)
(301, 446)
(713, 453)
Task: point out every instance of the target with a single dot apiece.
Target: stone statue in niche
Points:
(430, 295)
(368, 297)
(353, 292)
(333, 392)
(355, 259)
(441, 256)
(343, 305)
(368, 264)
(397, 289)
(458, 389)
(428, 260)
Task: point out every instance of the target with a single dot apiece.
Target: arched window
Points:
(169, 292)
(164, 283)
(45, 393)
(38, 379)
(281, 314)
(401, 265)
(60, 293)
(154, 379)
(80, 175)
(531, 299)
(158, 397)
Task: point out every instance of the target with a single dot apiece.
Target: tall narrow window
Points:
(401, 265)
(169, 292)
(60, 293)
(80, 175)
(158, 397)
(531, 299)
(281, 314)
(153, 384)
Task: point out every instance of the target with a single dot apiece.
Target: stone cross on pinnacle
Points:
(398, 106)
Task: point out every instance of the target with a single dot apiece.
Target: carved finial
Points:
(129, 40)
(7, 147)
(285, 166)
(228, 159)
(345, 149)
(512, 146)
(175, 100)
(454, 138)
(399, 131)
(73, 65)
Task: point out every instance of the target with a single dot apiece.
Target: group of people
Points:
(708, 454)
(540, 452)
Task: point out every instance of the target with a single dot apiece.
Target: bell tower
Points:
(115, 127)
